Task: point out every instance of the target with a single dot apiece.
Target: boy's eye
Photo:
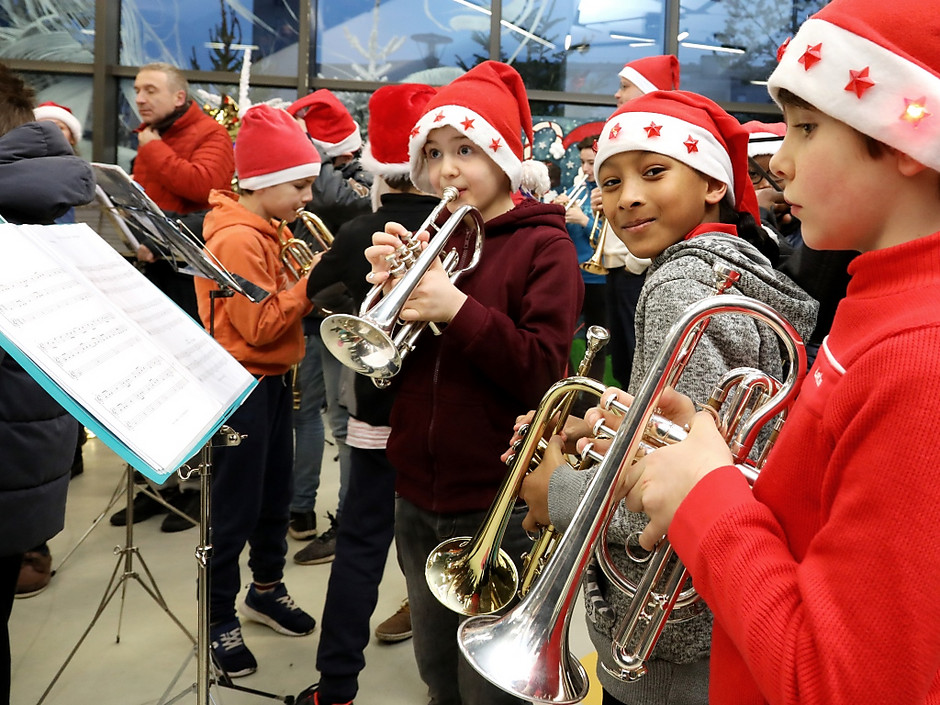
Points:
(432, 153)
(610, 183)
(654, 171)
(465, 150)
(805, 127)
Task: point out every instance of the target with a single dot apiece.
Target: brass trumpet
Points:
(296, 255)
(375, 342)
(525, 652)
(598, 236)
(473, 575)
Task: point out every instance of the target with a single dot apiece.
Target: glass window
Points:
(211, 35)
(72, 92)
(49, 30)
(727, 50)
(579, 46)
(424, 41)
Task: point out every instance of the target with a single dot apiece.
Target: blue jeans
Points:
(450, 679)
(320, 374)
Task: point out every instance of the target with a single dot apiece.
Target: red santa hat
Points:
(873, 65)
(653, 73)
(764, 138)
(689, 128)
(393, 112)
(271, 149)
(489, 106)
(329, 123)
(54, 111)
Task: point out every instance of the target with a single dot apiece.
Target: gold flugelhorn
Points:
(525, 652)
(375, 342)
(296, 255)
(473, 575)
(597, 238)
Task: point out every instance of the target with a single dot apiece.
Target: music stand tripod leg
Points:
(125, 560)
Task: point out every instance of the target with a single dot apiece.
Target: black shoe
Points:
(189, 504)
(322, 548)
(145, 507)
(303, 525)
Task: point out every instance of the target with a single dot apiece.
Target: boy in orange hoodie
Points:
(276, 166)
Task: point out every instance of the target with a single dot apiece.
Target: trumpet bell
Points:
(361, 345)
(530, 663)
(467, 588)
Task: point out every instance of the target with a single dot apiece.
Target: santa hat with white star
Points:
(689, 128)
(488, 105)
(873, 65)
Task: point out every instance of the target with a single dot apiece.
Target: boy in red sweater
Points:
(251, 492)
(823, 579)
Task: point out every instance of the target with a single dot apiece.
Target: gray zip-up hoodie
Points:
(678, 277)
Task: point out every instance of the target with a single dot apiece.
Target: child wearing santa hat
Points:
(506, 330)
(832, 563)
(672, 167)
(362, 542)
(342, 190)
(651, 73)
(64, 119)
(276, 166)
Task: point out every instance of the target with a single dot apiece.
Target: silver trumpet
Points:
(525, 652)
(578, 193)
(375, 342)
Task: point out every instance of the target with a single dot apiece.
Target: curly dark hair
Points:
(17, 99)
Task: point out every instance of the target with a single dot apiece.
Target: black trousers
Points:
(623, 293)
(362, 544)
(251, 492)
(9, 573)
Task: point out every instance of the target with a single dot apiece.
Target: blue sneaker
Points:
(277, 609)
(231, 654)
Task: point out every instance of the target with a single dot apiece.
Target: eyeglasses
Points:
(759, 176)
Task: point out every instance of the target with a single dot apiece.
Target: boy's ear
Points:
(907, 165)
(716, 190)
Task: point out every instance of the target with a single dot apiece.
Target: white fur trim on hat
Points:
(864, 85)
(347, 145)
(473, 126)
(54, 112)
(637, 79)
(294, 173)
(374, 166)
(763, 143)
(683, 141)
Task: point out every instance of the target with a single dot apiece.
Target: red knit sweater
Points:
(190, 159)
(824, 579)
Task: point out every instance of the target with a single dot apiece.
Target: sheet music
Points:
(169, 325)
(113, 342)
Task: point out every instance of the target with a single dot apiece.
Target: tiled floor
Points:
(133, 653)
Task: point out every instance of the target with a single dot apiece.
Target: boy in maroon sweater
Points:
(507, 326)
(823, 579)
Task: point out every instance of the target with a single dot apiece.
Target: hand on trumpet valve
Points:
(435, 298)
(575, 428)
(658, 483)
(534, 489)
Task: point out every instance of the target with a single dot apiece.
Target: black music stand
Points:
(128, 203)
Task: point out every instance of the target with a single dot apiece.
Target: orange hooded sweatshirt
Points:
(267, 337)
